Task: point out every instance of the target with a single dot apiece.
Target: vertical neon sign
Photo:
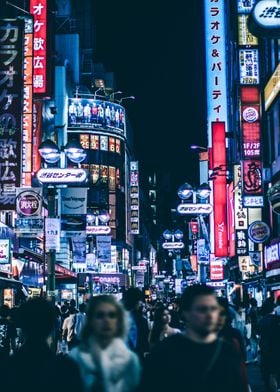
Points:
(38, 8)
(220, 190)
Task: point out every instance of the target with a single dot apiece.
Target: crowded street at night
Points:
(139, 196)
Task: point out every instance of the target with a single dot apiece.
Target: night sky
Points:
(156, 49)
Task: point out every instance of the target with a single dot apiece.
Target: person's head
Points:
(37, 318)
(72, 303)
(224, 319)
(132, 298)
(253, 302)
(105, 318)
(200, 309)
(278, 301)
(4, 311)
(268, 306)
(162, 316)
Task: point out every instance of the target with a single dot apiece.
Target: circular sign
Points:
(250, 114)
(29, 203)
(258, 232)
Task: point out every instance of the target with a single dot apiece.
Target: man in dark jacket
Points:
(196, 359)
(35, 367)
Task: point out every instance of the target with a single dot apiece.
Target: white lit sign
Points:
(215, 63)
(245, 6)
(173, 245)
(97, 230)
(61, 176)
(253, 201)
(249, 66)
(189, 208)
(266, 14)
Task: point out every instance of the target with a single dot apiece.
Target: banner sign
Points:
(103, 246)
(11, 91)
(5, 254)
(52, 234)
(79, 249)
(73, 201)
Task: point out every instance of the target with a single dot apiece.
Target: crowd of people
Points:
(199, 341)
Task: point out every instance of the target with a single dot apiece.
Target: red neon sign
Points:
(38, 8)
(230, 214)
(219, 189)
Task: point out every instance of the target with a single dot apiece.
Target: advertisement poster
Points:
(52, 233)
(93, 113)
(5, 251)
(103, 245)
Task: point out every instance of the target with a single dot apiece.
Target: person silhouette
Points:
(35, 365)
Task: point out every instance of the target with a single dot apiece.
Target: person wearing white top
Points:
(104, 360)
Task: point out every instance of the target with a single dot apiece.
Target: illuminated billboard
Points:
(252, 186)
(94, 114)
(245, 38)
(38, 8)
(134, 198)
(215, 63)
(249, 66)
(11, 91)
(27, 103)
(220, 190)
(245, 6)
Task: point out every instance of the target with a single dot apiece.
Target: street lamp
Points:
(112, 96)
(196, 147)
(122, 99)
(200, 209)
(99, 89)
(50, 153)
(174, 247)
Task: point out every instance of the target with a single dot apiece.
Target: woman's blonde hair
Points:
(93, 305)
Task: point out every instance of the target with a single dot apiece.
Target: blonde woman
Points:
(106, 363)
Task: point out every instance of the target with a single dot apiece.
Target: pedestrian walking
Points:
(195, 360)
(161, 326)
(269, 331)
(106, 363)
(8, 333)
(226, 331)
(35, 366)
(69, 329)
(138, 333)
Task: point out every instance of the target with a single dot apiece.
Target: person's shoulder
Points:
(229, 350)
(172, 342)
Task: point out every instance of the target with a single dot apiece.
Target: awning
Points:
(8, 283)
(64, 273)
